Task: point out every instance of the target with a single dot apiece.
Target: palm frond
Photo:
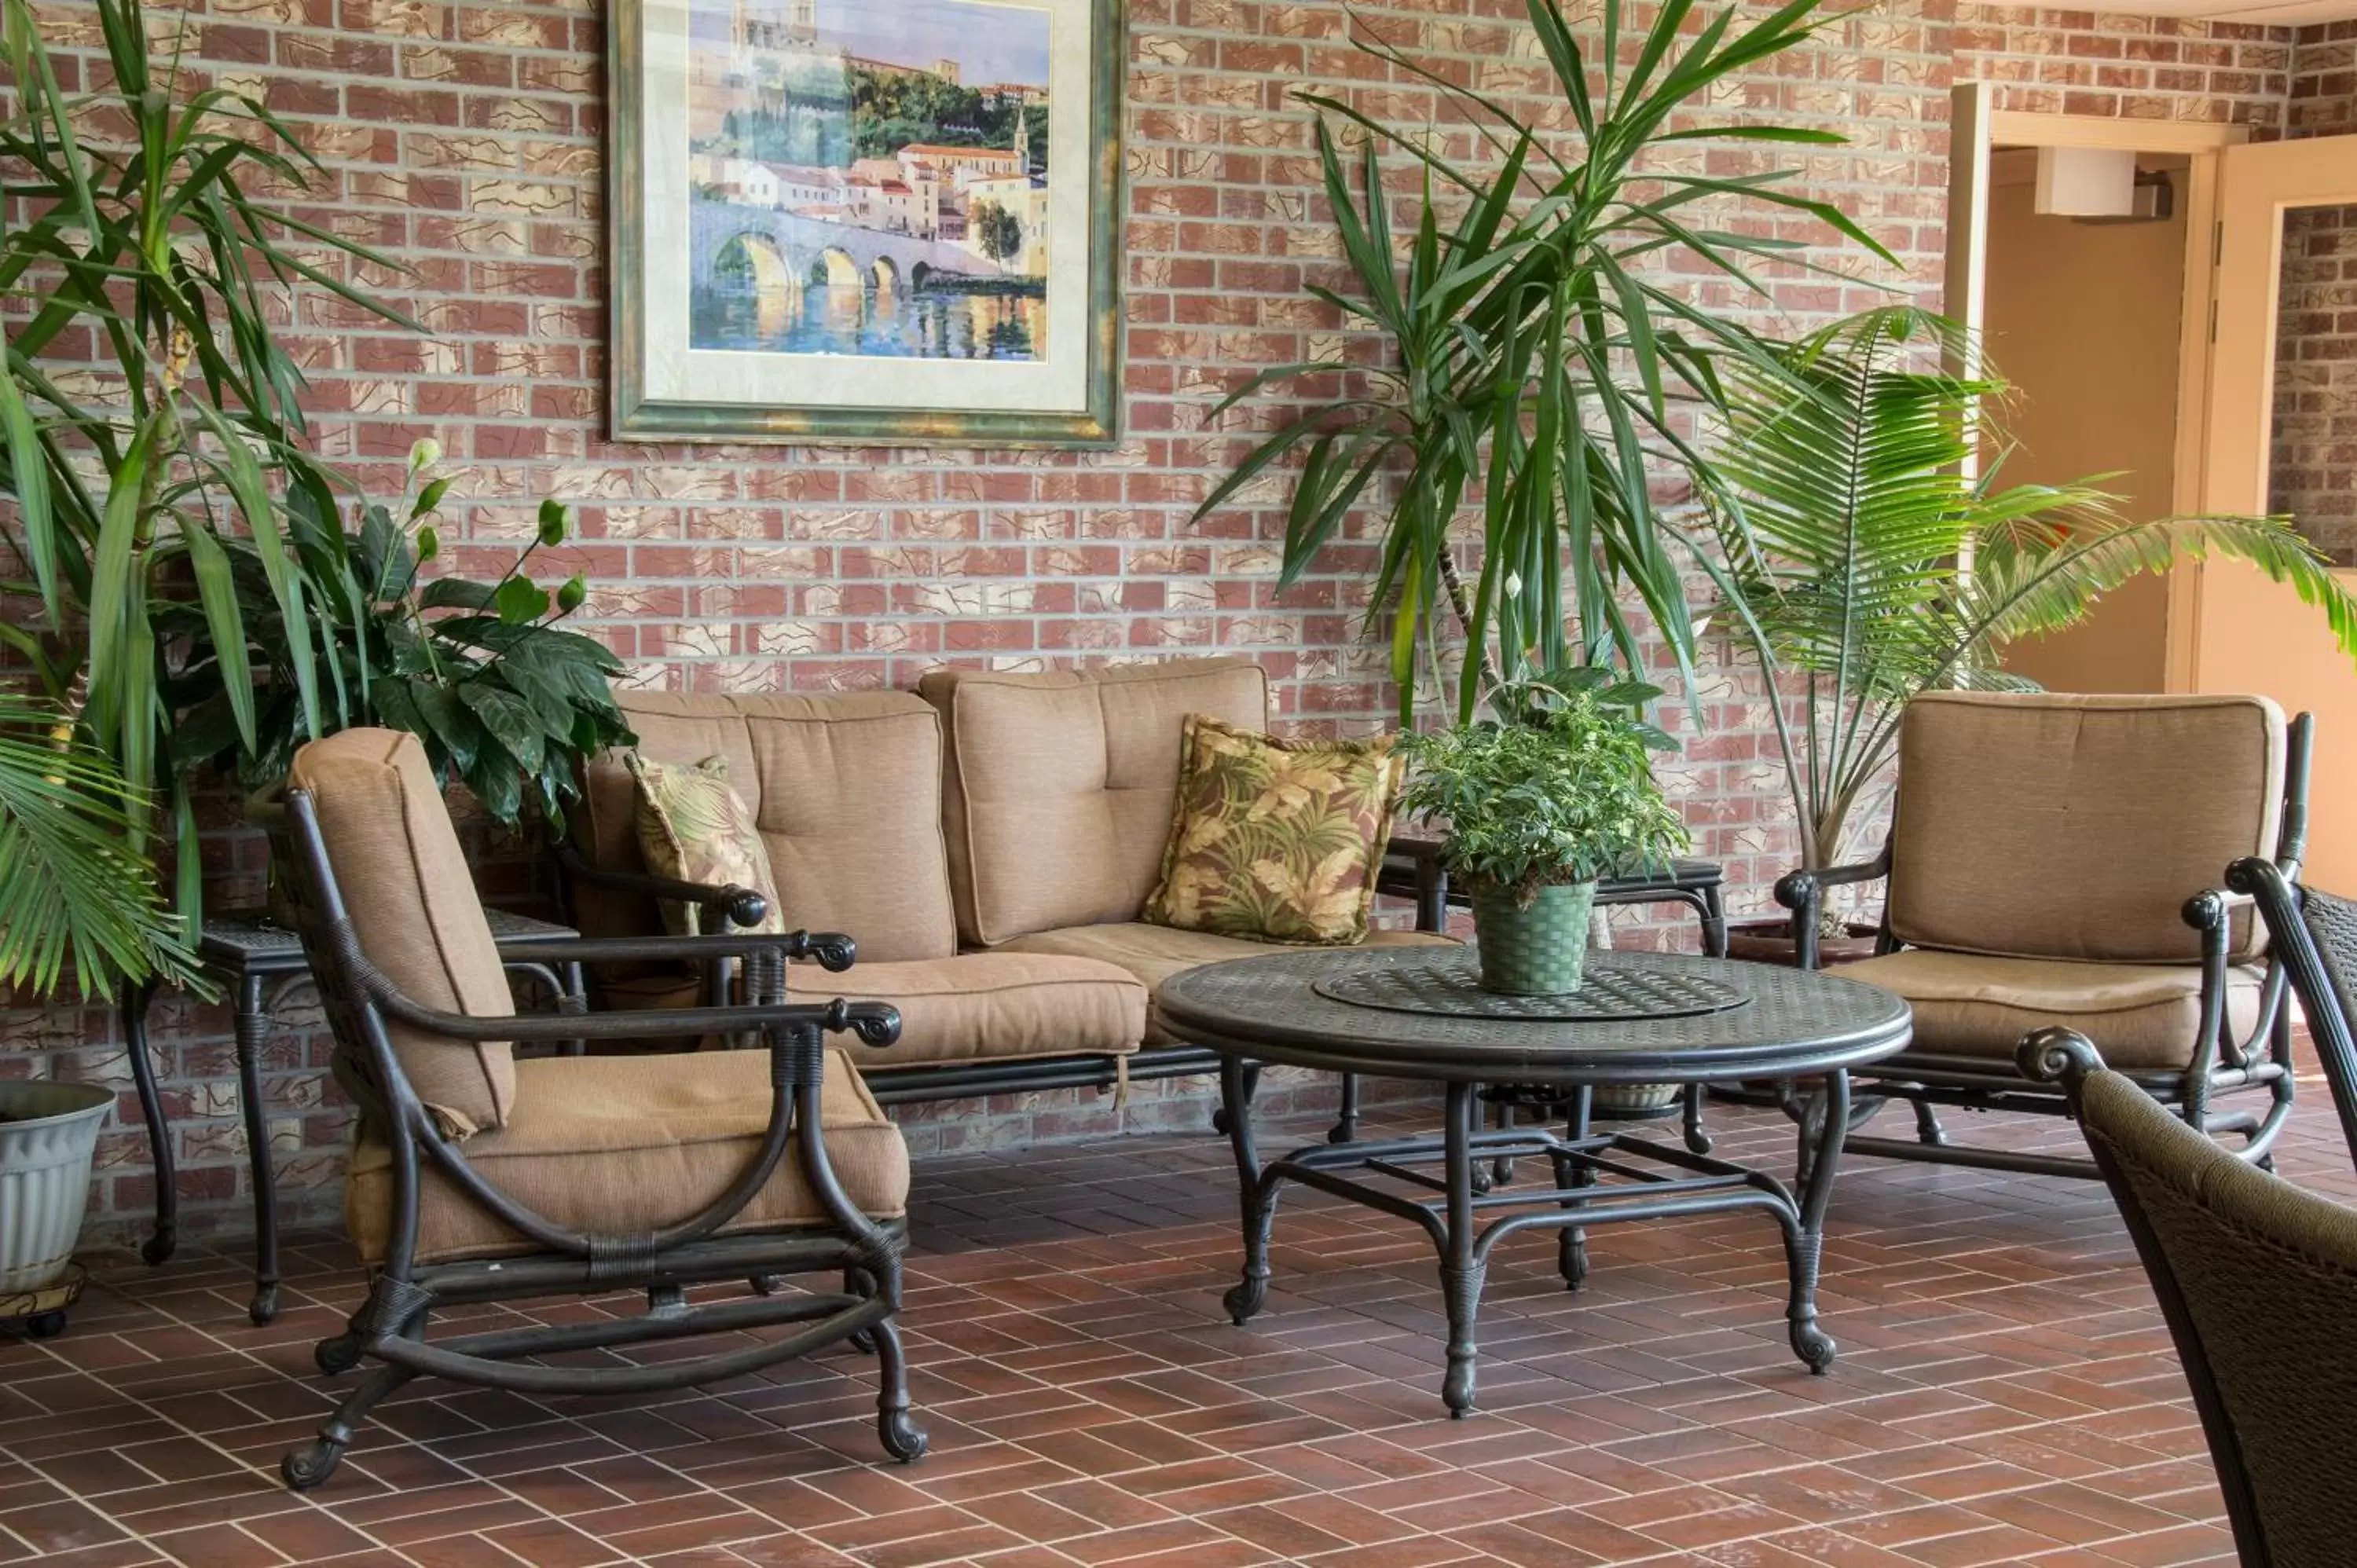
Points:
(80, 902)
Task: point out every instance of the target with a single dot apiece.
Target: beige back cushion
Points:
(2068, 826)
(1060, 786)
(844, 790)
(414, 907)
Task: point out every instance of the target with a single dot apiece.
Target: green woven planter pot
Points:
(1540, 950)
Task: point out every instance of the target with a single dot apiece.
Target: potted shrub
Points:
(1538, 803)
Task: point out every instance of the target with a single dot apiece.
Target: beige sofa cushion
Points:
(1155, 953)
(977, 1006)
(2076, 827)
(844, 790)
(996, 1006)
(628, 1144)
(2139, 1016)
(1060, 786)
(412, 904)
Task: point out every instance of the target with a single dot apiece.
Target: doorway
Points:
(2232, 399)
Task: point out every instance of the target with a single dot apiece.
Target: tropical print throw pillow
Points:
(691, 825)
(1279, 841)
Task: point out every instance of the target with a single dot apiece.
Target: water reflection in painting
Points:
(852, 318)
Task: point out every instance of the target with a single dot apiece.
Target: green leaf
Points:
(520, 601)
(217, 591)
(511, 721)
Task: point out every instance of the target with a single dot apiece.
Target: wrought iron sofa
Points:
(2054, 862)
(2229, 1248)
(990, 840)
(481, 1175)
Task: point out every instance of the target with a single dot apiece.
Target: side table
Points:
(259, 964)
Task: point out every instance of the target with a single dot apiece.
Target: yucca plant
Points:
(1533, 349)
(1865, 567)
(149, 419)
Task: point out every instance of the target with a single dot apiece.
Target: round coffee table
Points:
(1640, 1018)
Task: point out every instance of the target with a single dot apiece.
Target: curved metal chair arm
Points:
(1803, 893)
(2057, 1055)
(834, 952)
(735, 904)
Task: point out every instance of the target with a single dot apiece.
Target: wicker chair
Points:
(2313, 935)
(480, 1177)
(2258, 1281)
(2053, 862)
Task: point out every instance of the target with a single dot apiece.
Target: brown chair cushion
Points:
(844, 790)
(1155, 953)
(1060, 786)
(2139, 1016)
(996, 1006)
(628, 1144)
(2076, 827)
(415, 909)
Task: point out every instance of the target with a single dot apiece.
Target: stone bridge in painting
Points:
(784, 248)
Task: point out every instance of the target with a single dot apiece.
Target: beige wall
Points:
(2084, 318)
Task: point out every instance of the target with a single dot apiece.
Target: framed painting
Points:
(876, 221)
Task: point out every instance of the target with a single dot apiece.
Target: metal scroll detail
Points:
(1613, 990)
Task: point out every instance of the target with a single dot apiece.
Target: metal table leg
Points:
(1714, 922)
(1256, 1194)
(1823, 1128)
(166, 1237)
(252, 1028)
(1462, 1268)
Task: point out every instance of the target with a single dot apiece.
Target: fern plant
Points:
(1856, 559)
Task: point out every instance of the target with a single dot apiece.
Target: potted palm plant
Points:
(1861, 563)
(1531, 353)
(1537, 804)
(79, 912)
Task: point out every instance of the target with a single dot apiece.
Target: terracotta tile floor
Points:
(2006, 1394)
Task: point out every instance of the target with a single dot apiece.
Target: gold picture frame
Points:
(849, 221)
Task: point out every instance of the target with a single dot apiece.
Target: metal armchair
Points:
(480, 1175)
(2054, 862)
(2313, 935)
(2230, 1249)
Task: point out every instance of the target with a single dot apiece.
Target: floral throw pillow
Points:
(691, 825)
(1278, 841)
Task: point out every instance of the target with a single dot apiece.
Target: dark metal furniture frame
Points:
(2218, 1064)
(391, 1326)
(2313, 936)
(260, 965)
(1468, 1210)
(724, 907)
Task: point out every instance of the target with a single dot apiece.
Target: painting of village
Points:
(869, 177)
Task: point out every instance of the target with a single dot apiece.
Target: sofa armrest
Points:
(735, 905)
(1803, 893)
(1427, 856)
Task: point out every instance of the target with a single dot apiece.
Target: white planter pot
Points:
(48, 1132)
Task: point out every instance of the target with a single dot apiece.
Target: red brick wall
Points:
(464, 137)
(2049, 61)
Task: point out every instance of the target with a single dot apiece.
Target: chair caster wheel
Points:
(46, 1325)
(903, 1438)
(767, 1284)
(307, 1467)
(862, 1341)
(159, 1248)
(337, 1355)
(263, 1310)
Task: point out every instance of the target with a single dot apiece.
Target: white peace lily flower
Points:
(424, 454)
(1513, 584)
